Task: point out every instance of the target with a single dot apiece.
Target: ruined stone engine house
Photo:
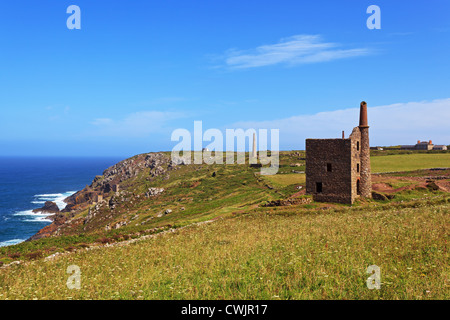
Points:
(338, 170)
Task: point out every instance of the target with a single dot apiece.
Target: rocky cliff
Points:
(106, 192)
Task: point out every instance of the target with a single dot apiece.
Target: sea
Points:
(26, 183)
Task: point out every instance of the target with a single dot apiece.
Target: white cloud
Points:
(102, 121)
(400, 123)
(138, 124)
(298, 49)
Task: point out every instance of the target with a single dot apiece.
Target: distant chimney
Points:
(418, 141)
(254, 154)
(343, 134)
(431, 142)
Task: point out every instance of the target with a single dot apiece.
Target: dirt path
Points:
(380, 183)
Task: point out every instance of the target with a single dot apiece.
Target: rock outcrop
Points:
(156, 164)
(58, 220)
(154, 192)
(104, 190)
(49, 207)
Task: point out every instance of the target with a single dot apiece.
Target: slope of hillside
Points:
(268, 239)
(152, 192)
(153, 195)
(269, 253)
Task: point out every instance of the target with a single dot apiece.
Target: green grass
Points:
(203, 197)
(249, 252)
(287, 179)
(409, 162)
(281, 254)
(399, 184)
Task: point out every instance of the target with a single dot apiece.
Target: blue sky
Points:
(137, 70)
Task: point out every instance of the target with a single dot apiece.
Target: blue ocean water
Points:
(26, 183)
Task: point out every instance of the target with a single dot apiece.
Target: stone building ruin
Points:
(338, 170)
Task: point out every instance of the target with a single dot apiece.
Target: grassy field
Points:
(251, 251)
(287, 179)
(280, 254)
(409, 162)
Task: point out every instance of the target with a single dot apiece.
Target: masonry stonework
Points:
(338, 170)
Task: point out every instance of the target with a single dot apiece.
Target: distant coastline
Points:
(28, 182)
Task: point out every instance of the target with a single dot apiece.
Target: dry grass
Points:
(287, 255)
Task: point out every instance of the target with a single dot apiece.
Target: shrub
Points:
(117, 237)
(15, 255)
(34, 255)
(432, 186)
(105, 240)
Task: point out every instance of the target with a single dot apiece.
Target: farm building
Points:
(424, 145)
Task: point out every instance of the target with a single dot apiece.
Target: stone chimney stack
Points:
(431, 142)
(254, 156)
(366, 178)
(343, 134)
(363, 115)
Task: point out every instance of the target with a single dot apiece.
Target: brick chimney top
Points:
(363, 115)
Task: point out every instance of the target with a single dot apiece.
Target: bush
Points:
(34, 255)
(105, 240)
(432, 186)
(117, 237)
(15, 255)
